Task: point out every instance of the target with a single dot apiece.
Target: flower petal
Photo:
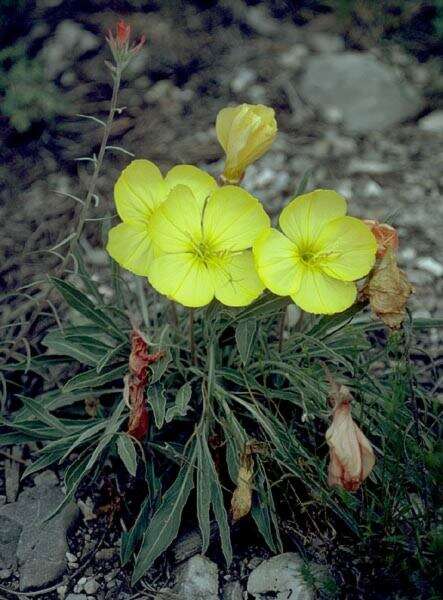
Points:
(182, 277)
(235, 280)
(305, 216)
(177, 222)
(199, 182)
(233, 219)
(320, 294)
(350, 248)
(130, 245)
(139, 190)
(276, 262)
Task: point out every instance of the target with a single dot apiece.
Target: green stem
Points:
(82, 215)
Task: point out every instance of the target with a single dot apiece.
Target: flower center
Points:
(204, 251)
(308, 256)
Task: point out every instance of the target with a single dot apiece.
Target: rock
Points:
(429, 264)
(197, 579)
(61, 591)
(69, 42)
(242, 80)
(76, 597)
(91, 586)
(5, 574)
(279, 577)
(369, 167)
(368, 93)
(232, 591)
(2, 499)
(326, 42)
(432, 122)
(37, 547)
(372, 190)
(294, 57)
(106, 554)
(71, 558)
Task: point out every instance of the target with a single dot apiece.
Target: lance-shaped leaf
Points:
(165, 523)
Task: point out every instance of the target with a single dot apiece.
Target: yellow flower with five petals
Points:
(139, 190)
(205, 246)
(319, 255)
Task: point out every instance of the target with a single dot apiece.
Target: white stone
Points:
(429, 264)
(91, 586)
(432, 122)
(243, 79)
(368, 93)
(372, 190)
(325, 42)
(280, 577)
(197, 579)
(232, 591)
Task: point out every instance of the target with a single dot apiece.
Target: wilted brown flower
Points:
(135, 384)
(241, 500)
(388, 290)
(350, 452)
(386, 236)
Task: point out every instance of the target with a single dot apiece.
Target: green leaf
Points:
(218, 505)
(128, 453)
(265, 306)
(203, 494)
(81, 303)
(165, 523)
(157, 400)
(244, 336)
(133, 536)
(93, 379)
(42, 463)
(87, 350)
(159, 367)
(180, 408)
(43, 415)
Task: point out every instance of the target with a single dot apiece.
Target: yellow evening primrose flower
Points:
(245, 133)
(319, 255)
(139, 190)
(204, 246)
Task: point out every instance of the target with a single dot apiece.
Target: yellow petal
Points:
(320, 294)
(176, 223)
(183, 278)
(233, 219)
(349, 248)
(235, 279)
(199, 182)
(305, 216)
(130, 245)
(139, 190)
(277, 264)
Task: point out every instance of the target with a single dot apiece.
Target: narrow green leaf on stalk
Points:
(132, 537)
(43, 415)
(180, 408)
(165, 523)
(157, 400)
(203, 495)
(217, 501)
(159, 367)
(93, 379)
(128, 453)
(244, 337)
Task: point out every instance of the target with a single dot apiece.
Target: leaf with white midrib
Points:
(203, 495)
(165, 523)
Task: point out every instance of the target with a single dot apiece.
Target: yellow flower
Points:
(205, 246)
(319, 255)
(139, 190)
(245, 133)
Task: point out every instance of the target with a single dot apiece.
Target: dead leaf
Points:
(241, 500)
(91, 406)
(388, 290)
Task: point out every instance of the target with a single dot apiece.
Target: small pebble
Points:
(91, 586)
(429, 264)
(5, 574)
(61, 591)
(71, 558)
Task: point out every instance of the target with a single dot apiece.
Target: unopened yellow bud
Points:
(245, 133)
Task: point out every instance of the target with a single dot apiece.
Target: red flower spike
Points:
(120, 44)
